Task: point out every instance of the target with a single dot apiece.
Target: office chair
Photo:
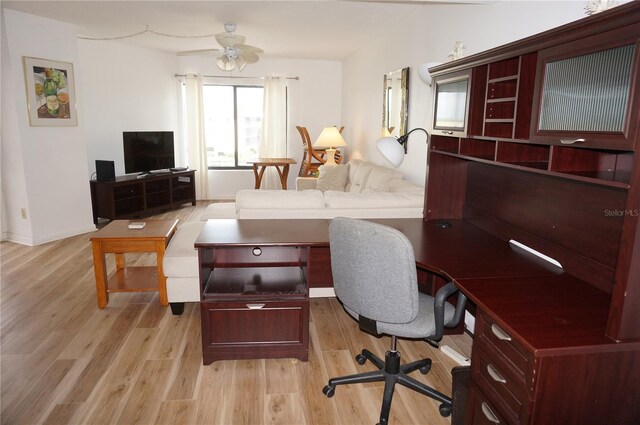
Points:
(374, 276)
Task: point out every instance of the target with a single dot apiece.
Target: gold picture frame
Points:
(51, 97)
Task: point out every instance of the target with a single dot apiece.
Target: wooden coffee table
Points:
(116, 238)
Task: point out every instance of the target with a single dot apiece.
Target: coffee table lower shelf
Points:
(134, 279)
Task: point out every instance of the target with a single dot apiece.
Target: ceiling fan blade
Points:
(249, 49)
(249, 57)
(228, 39)
(197, 52)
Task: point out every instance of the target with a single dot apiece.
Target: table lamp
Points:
(329, 139)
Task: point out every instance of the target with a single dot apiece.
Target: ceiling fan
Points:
(235, 55)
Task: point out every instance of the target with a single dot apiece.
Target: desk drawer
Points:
(506, 390)
(480, 411)
(254, 329)
(258, 255)
(498, 342)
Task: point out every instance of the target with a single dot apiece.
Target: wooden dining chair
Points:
(312, 158)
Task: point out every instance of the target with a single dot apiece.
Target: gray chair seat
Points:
(423, 325)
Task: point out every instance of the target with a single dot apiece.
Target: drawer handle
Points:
(488, 413)
(495, 374)
(257, 251)
(255, 306)
(447, 132)
(571, 141)
(500, 334)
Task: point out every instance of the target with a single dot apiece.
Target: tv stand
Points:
(134, 196)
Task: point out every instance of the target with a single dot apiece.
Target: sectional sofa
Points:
(370, 191)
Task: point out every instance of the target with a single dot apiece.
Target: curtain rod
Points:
(231, 76)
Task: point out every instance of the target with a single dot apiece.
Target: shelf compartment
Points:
(250, 282)
(502, 89)
(127, 191)
(445, 144)
(483, 149)
(500, 110)
(524, 155)
(158, 199)
(128, 205)
(499, 129)
(598, 164)
(504, 68)
(157, 186)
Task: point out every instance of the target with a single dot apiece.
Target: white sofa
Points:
(372, 191)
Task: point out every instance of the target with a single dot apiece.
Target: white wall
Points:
(124, 88)
(314, 102)
(428, 35)
(44, 169)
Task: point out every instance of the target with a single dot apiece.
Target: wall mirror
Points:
(395, 102)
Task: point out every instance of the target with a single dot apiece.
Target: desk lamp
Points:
(394, 149)
(329, 139)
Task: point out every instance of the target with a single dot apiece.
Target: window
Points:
(233, 124)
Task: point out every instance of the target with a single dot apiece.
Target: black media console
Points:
(131, 196)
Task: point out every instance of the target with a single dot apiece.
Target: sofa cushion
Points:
(181, 258)
(380, 179)
(404, 186)
(359, 171)
(332, 178)
(382, 200)
(279, 199)
(219, 210)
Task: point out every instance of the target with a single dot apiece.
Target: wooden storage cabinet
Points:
(254, 302)
(601, 72)
(129, 196)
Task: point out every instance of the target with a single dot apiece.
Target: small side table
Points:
(261, 164)
(116, 238)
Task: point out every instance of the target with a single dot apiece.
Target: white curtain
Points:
(194, 133)
(273, 143)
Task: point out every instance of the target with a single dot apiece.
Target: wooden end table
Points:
(116, 238)
(261, 164)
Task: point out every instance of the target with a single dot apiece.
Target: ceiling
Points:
(328, 30)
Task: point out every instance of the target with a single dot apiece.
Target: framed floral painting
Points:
(51, 97)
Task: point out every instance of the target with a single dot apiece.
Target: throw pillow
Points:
(332, 178)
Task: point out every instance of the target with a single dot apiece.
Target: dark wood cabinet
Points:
(130, 196)
(254, 293)
(585, 91)
(565, 353)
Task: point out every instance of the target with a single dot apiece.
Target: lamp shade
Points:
(329, 138)
(391, 150)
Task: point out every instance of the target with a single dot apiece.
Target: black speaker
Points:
(105, 170)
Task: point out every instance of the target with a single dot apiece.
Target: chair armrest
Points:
(304, 183)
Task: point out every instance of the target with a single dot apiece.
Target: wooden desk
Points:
(118, 239)
(538, 328)
(261, 164)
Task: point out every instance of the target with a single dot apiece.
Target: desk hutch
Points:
(546, 154)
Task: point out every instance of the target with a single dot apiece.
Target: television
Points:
(145, 151)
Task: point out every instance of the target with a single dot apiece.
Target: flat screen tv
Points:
(145, 151)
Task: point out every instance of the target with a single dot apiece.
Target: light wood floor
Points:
(64, 361)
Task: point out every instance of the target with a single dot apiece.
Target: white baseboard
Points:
(30, 241)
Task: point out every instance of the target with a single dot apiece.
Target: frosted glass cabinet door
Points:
(583, 94)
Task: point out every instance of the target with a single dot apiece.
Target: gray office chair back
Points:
(374, 272)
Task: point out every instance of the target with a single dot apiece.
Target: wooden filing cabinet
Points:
(254, 302)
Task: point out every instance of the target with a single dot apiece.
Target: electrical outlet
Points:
(23, 213)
